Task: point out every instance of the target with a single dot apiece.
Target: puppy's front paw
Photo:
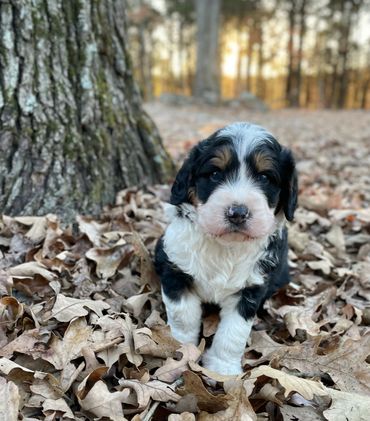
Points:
(221, 366)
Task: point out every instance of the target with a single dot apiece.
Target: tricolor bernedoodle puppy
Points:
(227, 242)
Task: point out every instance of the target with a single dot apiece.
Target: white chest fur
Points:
(218, 269)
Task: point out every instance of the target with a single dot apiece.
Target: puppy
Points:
(227, 242)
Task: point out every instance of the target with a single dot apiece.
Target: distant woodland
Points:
(300, 53)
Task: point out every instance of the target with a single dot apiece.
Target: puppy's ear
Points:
(181, 185)
(289, 184)
(184, 179)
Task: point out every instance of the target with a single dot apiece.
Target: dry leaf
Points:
(239, 407)
(345, 364)
(306, 388)
(210, 324)
(128, 328)
(336, 237)
(25, 343)
(136, 303)
(347, 406)
(76, 337)
(58, 405)
(206, 401)
(92, 229)
(269, 393)
(222, 378)
(100, 402)
(154, 389)
(157, 342)
(305, 413)
(30, 269)
(108, 260)
(67, 308)
(47, 386)
(148, 274)
(7, 367)
(322, 265)
(172, 369)
(10, 400)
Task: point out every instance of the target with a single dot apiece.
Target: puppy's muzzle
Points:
(237, 215)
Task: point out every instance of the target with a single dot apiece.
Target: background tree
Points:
(182, 14)
(143, 20)
(241, 14)
(73, 131)
(296, 53)
(365, 85)
(207, 74)
(297, 11)
(346, 13)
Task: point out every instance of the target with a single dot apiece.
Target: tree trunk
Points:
(207, 75)
(239, 41)
(189, 67)
(171, 53)
(261, 62)
(72, 129)
(180, 52)
(248, 79)
(343, 56)
(365, 91)
(290, 50)
(145, 64)
(298, 70)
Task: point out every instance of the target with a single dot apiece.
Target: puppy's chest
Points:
(221, 277)
(218, 270)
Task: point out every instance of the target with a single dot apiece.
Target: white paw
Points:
(221, 366)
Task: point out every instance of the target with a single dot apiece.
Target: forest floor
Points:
(82, 324)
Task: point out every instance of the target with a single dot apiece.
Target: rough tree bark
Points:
(207, 75)
(72, 128)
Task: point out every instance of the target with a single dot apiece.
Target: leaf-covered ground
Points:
(82, 329)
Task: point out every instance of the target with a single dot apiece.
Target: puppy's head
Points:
(239, 181)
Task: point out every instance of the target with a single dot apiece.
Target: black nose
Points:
(237, 214)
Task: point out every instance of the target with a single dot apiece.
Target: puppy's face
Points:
(238, 181)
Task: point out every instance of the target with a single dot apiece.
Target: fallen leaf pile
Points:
(82, 324)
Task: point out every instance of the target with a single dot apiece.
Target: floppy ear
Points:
(184, 178)
(289, 184)
(181, 185)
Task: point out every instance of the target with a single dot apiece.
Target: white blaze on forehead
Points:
(245, 136)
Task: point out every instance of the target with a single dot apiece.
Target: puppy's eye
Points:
(215, 176)
(265, 178)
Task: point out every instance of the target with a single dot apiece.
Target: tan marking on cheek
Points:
(222, 158)
(263, 162)
(193, 196)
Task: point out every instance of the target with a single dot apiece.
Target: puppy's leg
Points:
(237, 315)
(184, 316)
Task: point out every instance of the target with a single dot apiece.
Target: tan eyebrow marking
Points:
(222, 157)
(263, 162)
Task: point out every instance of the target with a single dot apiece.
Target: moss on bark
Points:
(73, 131)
